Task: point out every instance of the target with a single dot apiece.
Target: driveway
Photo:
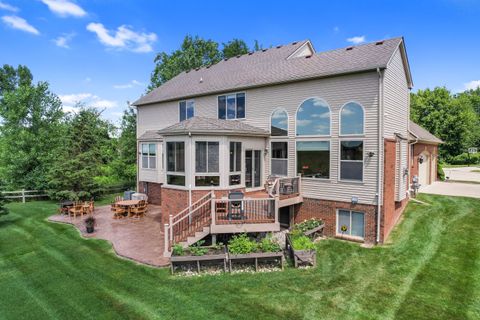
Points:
(453, 189)
(463, 174)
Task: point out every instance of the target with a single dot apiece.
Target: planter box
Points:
(314, 230)
(214, 255)
(255, 256)
(301, 257)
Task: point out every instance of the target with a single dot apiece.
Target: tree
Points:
(449, 118)
(87, 146)
(472, 97)
(124, 165)
(29, 133)
(3, 208)
(234, 48)
(194, 52)
(257, 46)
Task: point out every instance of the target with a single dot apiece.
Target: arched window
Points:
(279, 123)
(351, 119)
(313, 118)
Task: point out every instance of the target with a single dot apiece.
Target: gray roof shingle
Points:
(422, 134)
(271, 66)
(202, 125)
(150, 135)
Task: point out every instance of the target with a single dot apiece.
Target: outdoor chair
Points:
(119, 212)
(235, 208)
(91, 207)
(118, 198)
(139, 210)
(76, 209)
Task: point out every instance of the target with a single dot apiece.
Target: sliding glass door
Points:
(253, 168)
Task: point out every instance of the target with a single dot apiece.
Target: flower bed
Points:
(197, 255)
(242, 249)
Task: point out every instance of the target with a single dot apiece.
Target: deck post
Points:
(276, 207)
(212, 208)
(170, 222)
(166, 239)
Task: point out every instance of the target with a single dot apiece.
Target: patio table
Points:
(128, 204)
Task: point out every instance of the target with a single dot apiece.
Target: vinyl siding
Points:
(260, 103)
(151, 175)
(396, 107)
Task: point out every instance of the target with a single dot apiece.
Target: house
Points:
(423, 155)
(302, 133)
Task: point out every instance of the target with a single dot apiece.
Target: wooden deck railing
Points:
(244, 211)
(285, 186)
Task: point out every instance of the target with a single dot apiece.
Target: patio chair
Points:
(76, 209)
(139, 210)
(119, 212)
(118, 198)
(91, 207)
(235, 208)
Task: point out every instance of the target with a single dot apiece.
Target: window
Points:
(176, 163)
(313, 118)
(351, 119)
(279, 123)
(279, 158)
(149, 155)
(207, 163)
(235, 163)
(313, 159)
(351, 223)
(231, 106)
(186, 109)
(351, 160)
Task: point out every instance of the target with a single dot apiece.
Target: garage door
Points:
(424, 170)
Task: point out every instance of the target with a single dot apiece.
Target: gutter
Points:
(380, 151)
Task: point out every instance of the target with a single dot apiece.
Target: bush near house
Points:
(466, 159)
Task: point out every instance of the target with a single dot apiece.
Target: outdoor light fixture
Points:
(354, 199)
(420, 159)
(371, 154)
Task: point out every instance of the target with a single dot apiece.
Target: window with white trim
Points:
(235, 177)
(351, 119)
(149, 155)
(207, 167)
(351, 223)
(279, 123)
(186, 109)
(313, 118)
(231, 106)
(176, 163)
(279, 158)
(351, 160)
(313, 159)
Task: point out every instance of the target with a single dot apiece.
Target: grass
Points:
(430, 269)
(444, 165)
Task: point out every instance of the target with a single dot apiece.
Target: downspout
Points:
(190, 182)
(138, 150)
(380, 151)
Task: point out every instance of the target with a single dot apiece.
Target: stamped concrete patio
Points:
(140, 240)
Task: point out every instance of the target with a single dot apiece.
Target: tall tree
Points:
(234, 48)
(3, 208)
(194, 52)
(29, 133)
(445, 116)
(88, 145)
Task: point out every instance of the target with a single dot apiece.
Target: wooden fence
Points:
(24, 194)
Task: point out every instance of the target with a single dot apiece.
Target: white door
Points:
(424, 170)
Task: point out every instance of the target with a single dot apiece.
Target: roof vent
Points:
(349, 48)
(250, 53)
(278, 47)
(306, 57)
(201, 79)
(379, 43)
(188, 71)
(239, 56)
(263, 50)
(226, 59)
(208, 66)
(294, 43)
(196, 69)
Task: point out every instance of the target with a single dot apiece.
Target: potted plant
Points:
(90, 224)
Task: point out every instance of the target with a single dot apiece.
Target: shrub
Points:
(241, 244)
(302, 243)
(84, 195)
(308, 224)
(466, 159)
(178, 250)
(196, 249)
(64, 195)
(269, 245)
(440, 172)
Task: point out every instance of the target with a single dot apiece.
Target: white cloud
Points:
(303, 123)
(129, 85)
(63, 40)
(6, 6)
(16, 22)
(65, 8)
(124, 38)
(356, 40)
(472, 85)
(69, 101)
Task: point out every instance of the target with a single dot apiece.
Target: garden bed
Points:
(301, 257)
(276, 257)
(213, 257)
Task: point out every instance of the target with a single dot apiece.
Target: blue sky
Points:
(102, 51)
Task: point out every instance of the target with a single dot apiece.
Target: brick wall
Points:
(392, 210)
(418, 148)
(327, 211)
(152, 190)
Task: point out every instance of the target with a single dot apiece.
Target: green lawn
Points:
(431, 270)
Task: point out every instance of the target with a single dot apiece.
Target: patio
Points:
(140, 240)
